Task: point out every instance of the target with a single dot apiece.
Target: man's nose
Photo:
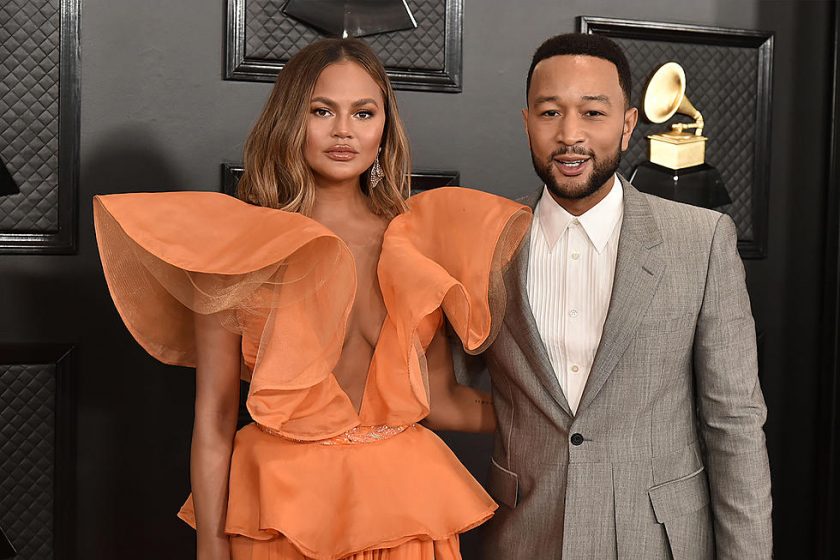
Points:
(569, 131)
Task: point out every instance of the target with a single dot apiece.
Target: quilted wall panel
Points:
(29, 104)
(27, 458)
(721, 84)
(271, 35)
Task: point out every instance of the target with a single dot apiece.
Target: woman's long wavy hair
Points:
(276, 174)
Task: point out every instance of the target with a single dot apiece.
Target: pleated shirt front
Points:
(570, 277)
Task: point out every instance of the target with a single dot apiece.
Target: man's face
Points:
(577, 124)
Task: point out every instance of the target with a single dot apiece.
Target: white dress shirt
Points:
(570, 277)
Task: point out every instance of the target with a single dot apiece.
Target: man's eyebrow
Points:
(599, 98)
(553, 99)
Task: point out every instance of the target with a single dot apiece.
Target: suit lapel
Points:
(521, 322)
(638, 271)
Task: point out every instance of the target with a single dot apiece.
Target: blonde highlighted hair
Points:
(276, 174)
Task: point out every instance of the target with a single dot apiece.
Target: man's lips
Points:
(571, 165)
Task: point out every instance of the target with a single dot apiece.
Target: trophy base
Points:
(677, 150)
(700, 185)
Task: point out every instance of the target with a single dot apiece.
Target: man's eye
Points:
(550, 113)
(594, 114)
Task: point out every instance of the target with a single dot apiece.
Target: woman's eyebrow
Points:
(324, 100)
(365, 101)
(358, 103)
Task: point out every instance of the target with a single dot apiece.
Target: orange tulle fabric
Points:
(312, 477)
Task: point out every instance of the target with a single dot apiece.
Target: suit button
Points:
(577, 439)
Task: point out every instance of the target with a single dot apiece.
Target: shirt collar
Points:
(598, 222)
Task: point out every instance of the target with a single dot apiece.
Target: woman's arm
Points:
(453, 406)
(216, 410)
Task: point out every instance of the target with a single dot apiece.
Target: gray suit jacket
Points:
(665, 457)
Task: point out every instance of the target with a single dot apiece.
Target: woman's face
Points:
(345, 123)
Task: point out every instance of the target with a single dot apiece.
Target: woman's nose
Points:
(342, 128)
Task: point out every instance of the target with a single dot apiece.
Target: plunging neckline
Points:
(375, 347)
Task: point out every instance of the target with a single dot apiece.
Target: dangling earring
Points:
(376, 174)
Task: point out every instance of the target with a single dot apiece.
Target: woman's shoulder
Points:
(457, 217)
(204, 231)
(459, 199)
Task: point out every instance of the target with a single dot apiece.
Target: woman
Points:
(327, 292)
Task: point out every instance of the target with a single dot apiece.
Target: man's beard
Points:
(601, 172)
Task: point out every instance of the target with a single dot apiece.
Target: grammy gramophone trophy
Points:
(677, 169)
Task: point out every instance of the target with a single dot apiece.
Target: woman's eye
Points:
(321, 112)
(364, 114)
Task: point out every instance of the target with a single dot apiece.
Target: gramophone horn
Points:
(665, 94)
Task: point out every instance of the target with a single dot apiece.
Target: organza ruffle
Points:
(446, 254)
(456, 243)
(281, 280)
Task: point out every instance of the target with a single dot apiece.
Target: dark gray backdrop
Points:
(156, 115)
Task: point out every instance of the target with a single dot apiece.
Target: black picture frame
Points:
(63, 241)
(420, 180)
(828, 448)
(63, 357)
(239, 66)
(663, 33)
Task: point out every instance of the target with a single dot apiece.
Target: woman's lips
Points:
(341, 153)
(570, 167)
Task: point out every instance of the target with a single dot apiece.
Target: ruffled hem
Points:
(243, 548)
(333, 502)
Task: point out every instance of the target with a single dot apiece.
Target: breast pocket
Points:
(665, 325)
(503, 485)
(682, 507)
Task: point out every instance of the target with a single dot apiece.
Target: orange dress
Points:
(311, 478)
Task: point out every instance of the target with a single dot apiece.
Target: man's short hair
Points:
(586, 45)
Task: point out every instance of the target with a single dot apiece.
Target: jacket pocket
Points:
(681, 505)
(503, 484)
(660, 326)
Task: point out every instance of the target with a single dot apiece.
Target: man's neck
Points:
(579, 206)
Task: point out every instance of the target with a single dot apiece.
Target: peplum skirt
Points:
(397, 494)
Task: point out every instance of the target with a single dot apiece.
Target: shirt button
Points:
(573, 313)
(576, 439)
(575, 369)
(575, 256)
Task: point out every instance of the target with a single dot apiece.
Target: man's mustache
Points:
(571, 150)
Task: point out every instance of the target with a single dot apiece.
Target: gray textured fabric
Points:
(673, 461)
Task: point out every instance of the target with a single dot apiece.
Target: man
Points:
(625, 380)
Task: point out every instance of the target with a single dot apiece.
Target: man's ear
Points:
(525, 120)
(631, 118)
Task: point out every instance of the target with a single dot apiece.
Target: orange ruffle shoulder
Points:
(311, 470)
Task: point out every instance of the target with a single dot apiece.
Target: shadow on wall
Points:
(128, 159)
(135, 414)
